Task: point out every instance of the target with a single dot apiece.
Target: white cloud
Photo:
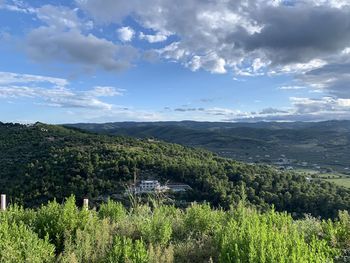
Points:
(126, 33)
(301, 109)
(209, 62)
(15, 78)
(346, 51)
(244, 36)
(15, 86)
(344, 102)
(46, 44)
(58, 17)
(66, 38)
(291, 87)
(332, 3)
(159, 37)
(54, 97)
(16, 6)
(105, 91)
(303, 67)
(304, 109)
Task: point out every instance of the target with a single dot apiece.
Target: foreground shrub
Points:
(270, 237)
(157, 227)
(201, 219)
(197, 250)
(124, 250)
(337, 234)
(112, 210)
(164, 234)
(90, 244)
(55, 221)
(19, 244)
(160, 254)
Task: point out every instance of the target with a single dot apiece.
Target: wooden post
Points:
(3, 202)
(86, 204)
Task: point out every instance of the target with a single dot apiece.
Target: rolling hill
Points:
(42, 162)
(325, 145)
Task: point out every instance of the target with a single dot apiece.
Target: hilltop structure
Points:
(153, 186)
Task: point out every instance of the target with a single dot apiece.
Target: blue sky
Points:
(152, 60)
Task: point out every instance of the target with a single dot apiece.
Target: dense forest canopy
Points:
(42, 162)
(318, 144)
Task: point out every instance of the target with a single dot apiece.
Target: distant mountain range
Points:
(299, 144)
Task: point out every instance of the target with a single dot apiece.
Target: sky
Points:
(163, 60)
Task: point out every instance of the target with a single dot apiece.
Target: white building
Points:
(149, 185)
(153, 186)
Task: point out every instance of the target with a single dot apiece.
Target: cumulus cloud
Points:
(248, 37)
(54, 91)
(210, 62)
(45, 44)
(125, 34)
(333, 78)
(307, 40)
(66, 38)
(233, 34)
(300, 33)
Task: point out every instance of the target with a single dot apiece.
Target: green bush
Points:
(159, 254)
(165, 234)
(17, 214)
(113, 210)
(19, 244)
(90, 244)
(125, 250)
(270, 237)
(201, 219)
(157, 227)
(56, 221)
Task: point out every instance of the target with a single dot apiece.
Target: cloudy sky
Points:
(215, 60)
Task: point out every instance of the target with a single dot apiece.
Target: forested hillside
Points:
(42, 162)
(311, 144)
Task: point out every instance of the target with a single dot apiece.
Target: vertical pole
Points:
(86, 204)
(3, 202)
(135, 178)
